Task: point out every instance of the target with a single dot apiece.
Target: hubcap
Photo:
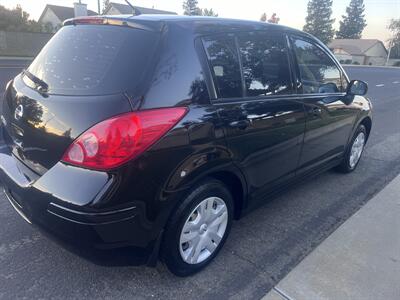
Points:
(203, 230)
(357, 149)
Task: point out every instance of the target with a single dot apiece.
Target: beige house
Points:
(359, 51)
(124, 9)
(53, 15)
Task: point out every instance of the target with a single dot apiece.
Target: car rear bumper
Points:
(64, 201)
(101, 230)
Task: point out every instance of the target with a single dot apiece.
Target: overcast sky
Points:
(291, 12)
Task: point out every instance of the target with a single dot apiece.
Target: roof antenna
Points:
(133, 8)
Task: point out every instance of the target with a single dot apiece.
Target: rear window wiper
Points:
(40, 84)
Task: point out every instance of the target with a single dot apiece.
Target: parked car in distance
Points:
(158, 131)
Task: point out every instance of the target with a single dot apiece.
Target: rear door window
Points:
(94, 59)
(224, 62)
(265, 64)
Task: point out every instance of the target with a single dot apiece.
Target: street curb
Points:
(347, 263)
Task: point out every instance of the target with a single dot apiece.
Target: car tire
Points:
(198, 228)
(354, 151)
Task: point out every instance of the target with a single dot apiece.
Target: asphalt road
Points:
(8, 69)
(262, 247)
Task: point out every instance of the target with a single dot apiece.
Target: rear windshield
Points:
(94, 59)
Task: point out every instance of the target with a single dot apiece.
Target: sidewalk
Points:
(359, 261)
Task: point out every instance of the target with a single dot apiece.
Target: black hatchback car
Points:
(156, 132)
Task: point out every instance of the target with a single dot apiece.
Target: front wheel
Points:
(198, 228)
(354, 151)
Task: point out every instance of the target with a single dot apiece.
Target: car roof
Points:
(199, 24)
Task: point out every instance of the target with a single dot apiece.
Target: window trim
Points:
(243, 83)
(292, 65)
(208, 76)
(278, 34)
(244, 98)
(292, 97)
(298, 80)
(209, 66)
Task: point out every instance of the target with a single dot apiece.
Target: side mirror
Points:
(357, 88)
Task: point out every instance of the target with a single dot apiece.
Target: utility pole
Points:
(98, 6)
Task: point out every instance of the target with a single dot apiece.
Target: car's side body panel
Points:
(268, 149)
(330, 124)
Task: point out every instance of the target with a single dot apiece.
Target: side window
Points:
(265, 64)
(318, 72)
(224, 63)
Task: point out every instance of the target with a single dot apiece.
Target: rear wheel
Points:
(198, 229)
(355, 150)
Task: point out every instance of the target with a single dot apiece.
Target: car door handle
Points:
(315, 111)
(242, 124)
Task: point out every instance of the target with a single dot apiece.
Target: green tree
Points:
(17, 19)
(353, 23)
(318, 20)
(394, 42)
(13, 19)
(190, 8)
(394, 27)
(263, 17)
(208, 12)
(48, 27)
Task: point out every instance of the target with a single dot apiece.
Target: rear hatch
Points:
(85, 74)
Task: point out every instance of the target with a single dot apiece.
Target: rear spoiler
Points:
(106, 21)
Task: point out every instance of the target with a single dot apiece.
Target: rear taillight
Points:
(113, 142)
(89, 20)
